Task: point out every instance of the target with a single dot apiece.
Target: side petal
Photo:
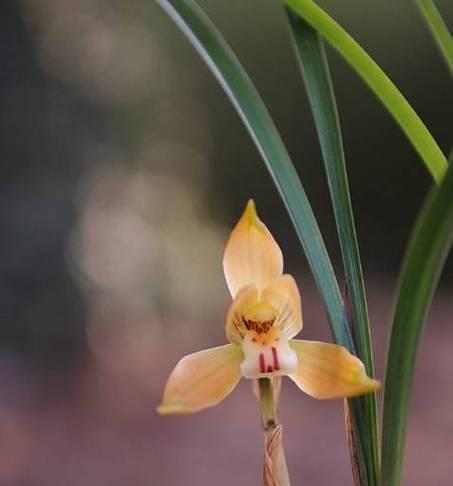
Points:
(252, 256)
(235, 327)
(202, 380)
(284, 296)
(329, 371)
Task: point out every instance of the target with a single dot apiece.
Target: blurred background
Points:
(123, 169)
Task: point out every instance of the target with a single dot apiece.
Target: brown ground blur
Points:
(96, 425)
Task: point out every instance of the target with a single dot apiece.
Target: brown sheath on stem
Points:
(275, 470)
(356, 474)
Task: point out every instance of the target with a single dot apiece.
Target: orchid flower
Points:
(261, 323)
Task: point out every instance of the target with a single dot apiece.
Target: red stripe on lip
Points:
(262, 364)
(275, 356)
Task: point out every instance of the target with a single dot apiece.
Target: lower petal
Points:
(329, 371)
(202, 380)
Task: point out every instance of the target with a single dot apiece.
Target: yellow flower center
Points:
(259, 318)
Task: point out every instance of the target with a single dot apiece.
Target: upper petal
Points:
(329, 371)
(252, 256)
(202, 380)
(283, 294)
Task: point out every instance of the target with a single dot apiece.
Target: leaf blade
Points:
(313, 63)
(378, 82)
(224, 65)
(428, 247)
(439, 30)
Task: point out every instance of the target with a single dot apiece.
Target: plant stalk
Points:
(275, 469)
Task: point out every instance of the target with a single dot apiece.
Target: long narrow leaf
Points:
(378, 82)
(439, 30)
(225, 66)
(312, 60)
(428, 248)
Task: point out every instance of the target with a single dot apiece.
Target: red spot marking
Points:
(254, 340)
(262, 364)
(275, 356)
(270, 369)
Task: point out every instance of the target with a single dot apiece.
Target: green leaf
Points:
(427, 250)
(225, 66)
(438, 29)
(312, 60)
(378, 82)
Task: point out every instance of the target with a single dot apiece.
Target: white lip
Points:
(275, 358)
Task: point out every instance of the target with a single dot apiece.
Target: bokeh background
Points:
(123, 169)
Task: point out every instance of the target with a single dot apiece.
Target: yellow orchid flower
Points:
(263, 318)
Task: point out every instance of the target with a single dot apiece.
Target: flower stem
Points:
(268, 406)
(275, 469)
